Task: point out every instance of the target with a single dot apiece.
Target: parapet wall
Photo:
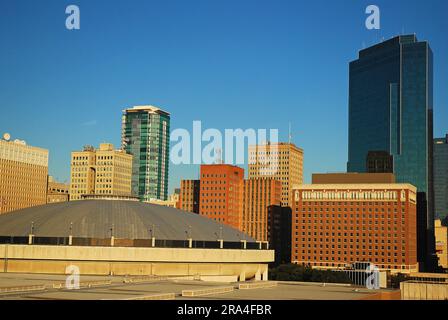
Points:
(243, 264)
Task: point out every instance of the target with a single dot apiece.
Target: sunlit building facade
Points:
(335, 225)
(23, 175)
(278, 161)
(259, 194)
(221, 194)
(102, 171)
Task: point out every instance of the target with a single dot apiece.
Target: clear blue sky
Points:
(229, 63)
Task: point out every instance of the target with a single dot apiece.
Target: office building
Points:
(102, 171)
(57, 191)
(441, 177)
(380, 162)
(221, 194)
(278, 161)
(189, 197)
(337, 224)
(146, 135)
(279, 233)
(391, 110)
(441, 244)
(23, 175)
(172, 202)
(259, 194)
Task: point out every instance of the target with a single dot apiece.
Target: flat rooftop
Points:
(118, 290)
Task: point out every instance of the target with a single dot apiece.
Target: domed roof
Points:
(129, 220)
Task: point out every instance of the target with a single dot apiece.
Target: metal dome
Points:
(125, 219)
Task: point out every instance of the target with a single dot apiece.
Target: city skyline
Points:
(225, 85)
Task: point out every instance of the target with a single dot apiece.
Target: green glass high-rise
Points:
(145, 135)
(391, 110)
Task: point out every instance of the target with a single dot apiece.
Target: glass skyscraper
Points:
(441, 176)
(391, 110)
(145, 135)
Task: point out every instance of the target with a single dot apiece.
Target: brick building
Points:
(337, 224)
(221, 194)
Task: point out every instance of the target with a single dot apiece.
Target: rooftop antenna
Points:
(218, 156)
(289, 134)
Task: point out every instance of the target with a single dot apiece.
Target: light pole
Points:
(2, 202)
(153, 235)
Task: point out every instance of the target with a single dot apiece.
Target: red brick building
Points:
(221, 193)
(336, 224)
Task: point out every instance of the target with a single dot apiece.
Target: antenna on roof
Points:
(289, 134)
(218, 159)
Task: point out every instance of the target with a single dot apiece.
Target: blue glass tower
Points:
(391, 109)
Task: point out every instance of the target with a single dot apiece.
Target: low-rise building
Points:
(57, 191)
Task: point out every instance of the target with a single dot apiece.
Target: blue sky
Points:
(231, 64)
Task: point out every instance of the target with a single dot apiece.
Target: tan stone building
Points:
(102, 171)
(172, 202)
(441, 244)
(23, 175)
(279, 161)
(57, 191)
(259, 194)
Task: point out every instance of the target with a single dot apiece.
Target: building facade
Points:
(279, 233)
(379, 162)
(221, 194)
(102, 171)
(279, 161)
(391, 110)
(23, 175)
(172, 202)
(441, 177)
(335, 225)
(259, 194)
(189, 197)
(57, 191)
(146, 135)
(441, 243)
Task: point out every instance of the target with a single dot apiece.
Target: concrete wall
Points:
(411, 290)
(243, 264)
